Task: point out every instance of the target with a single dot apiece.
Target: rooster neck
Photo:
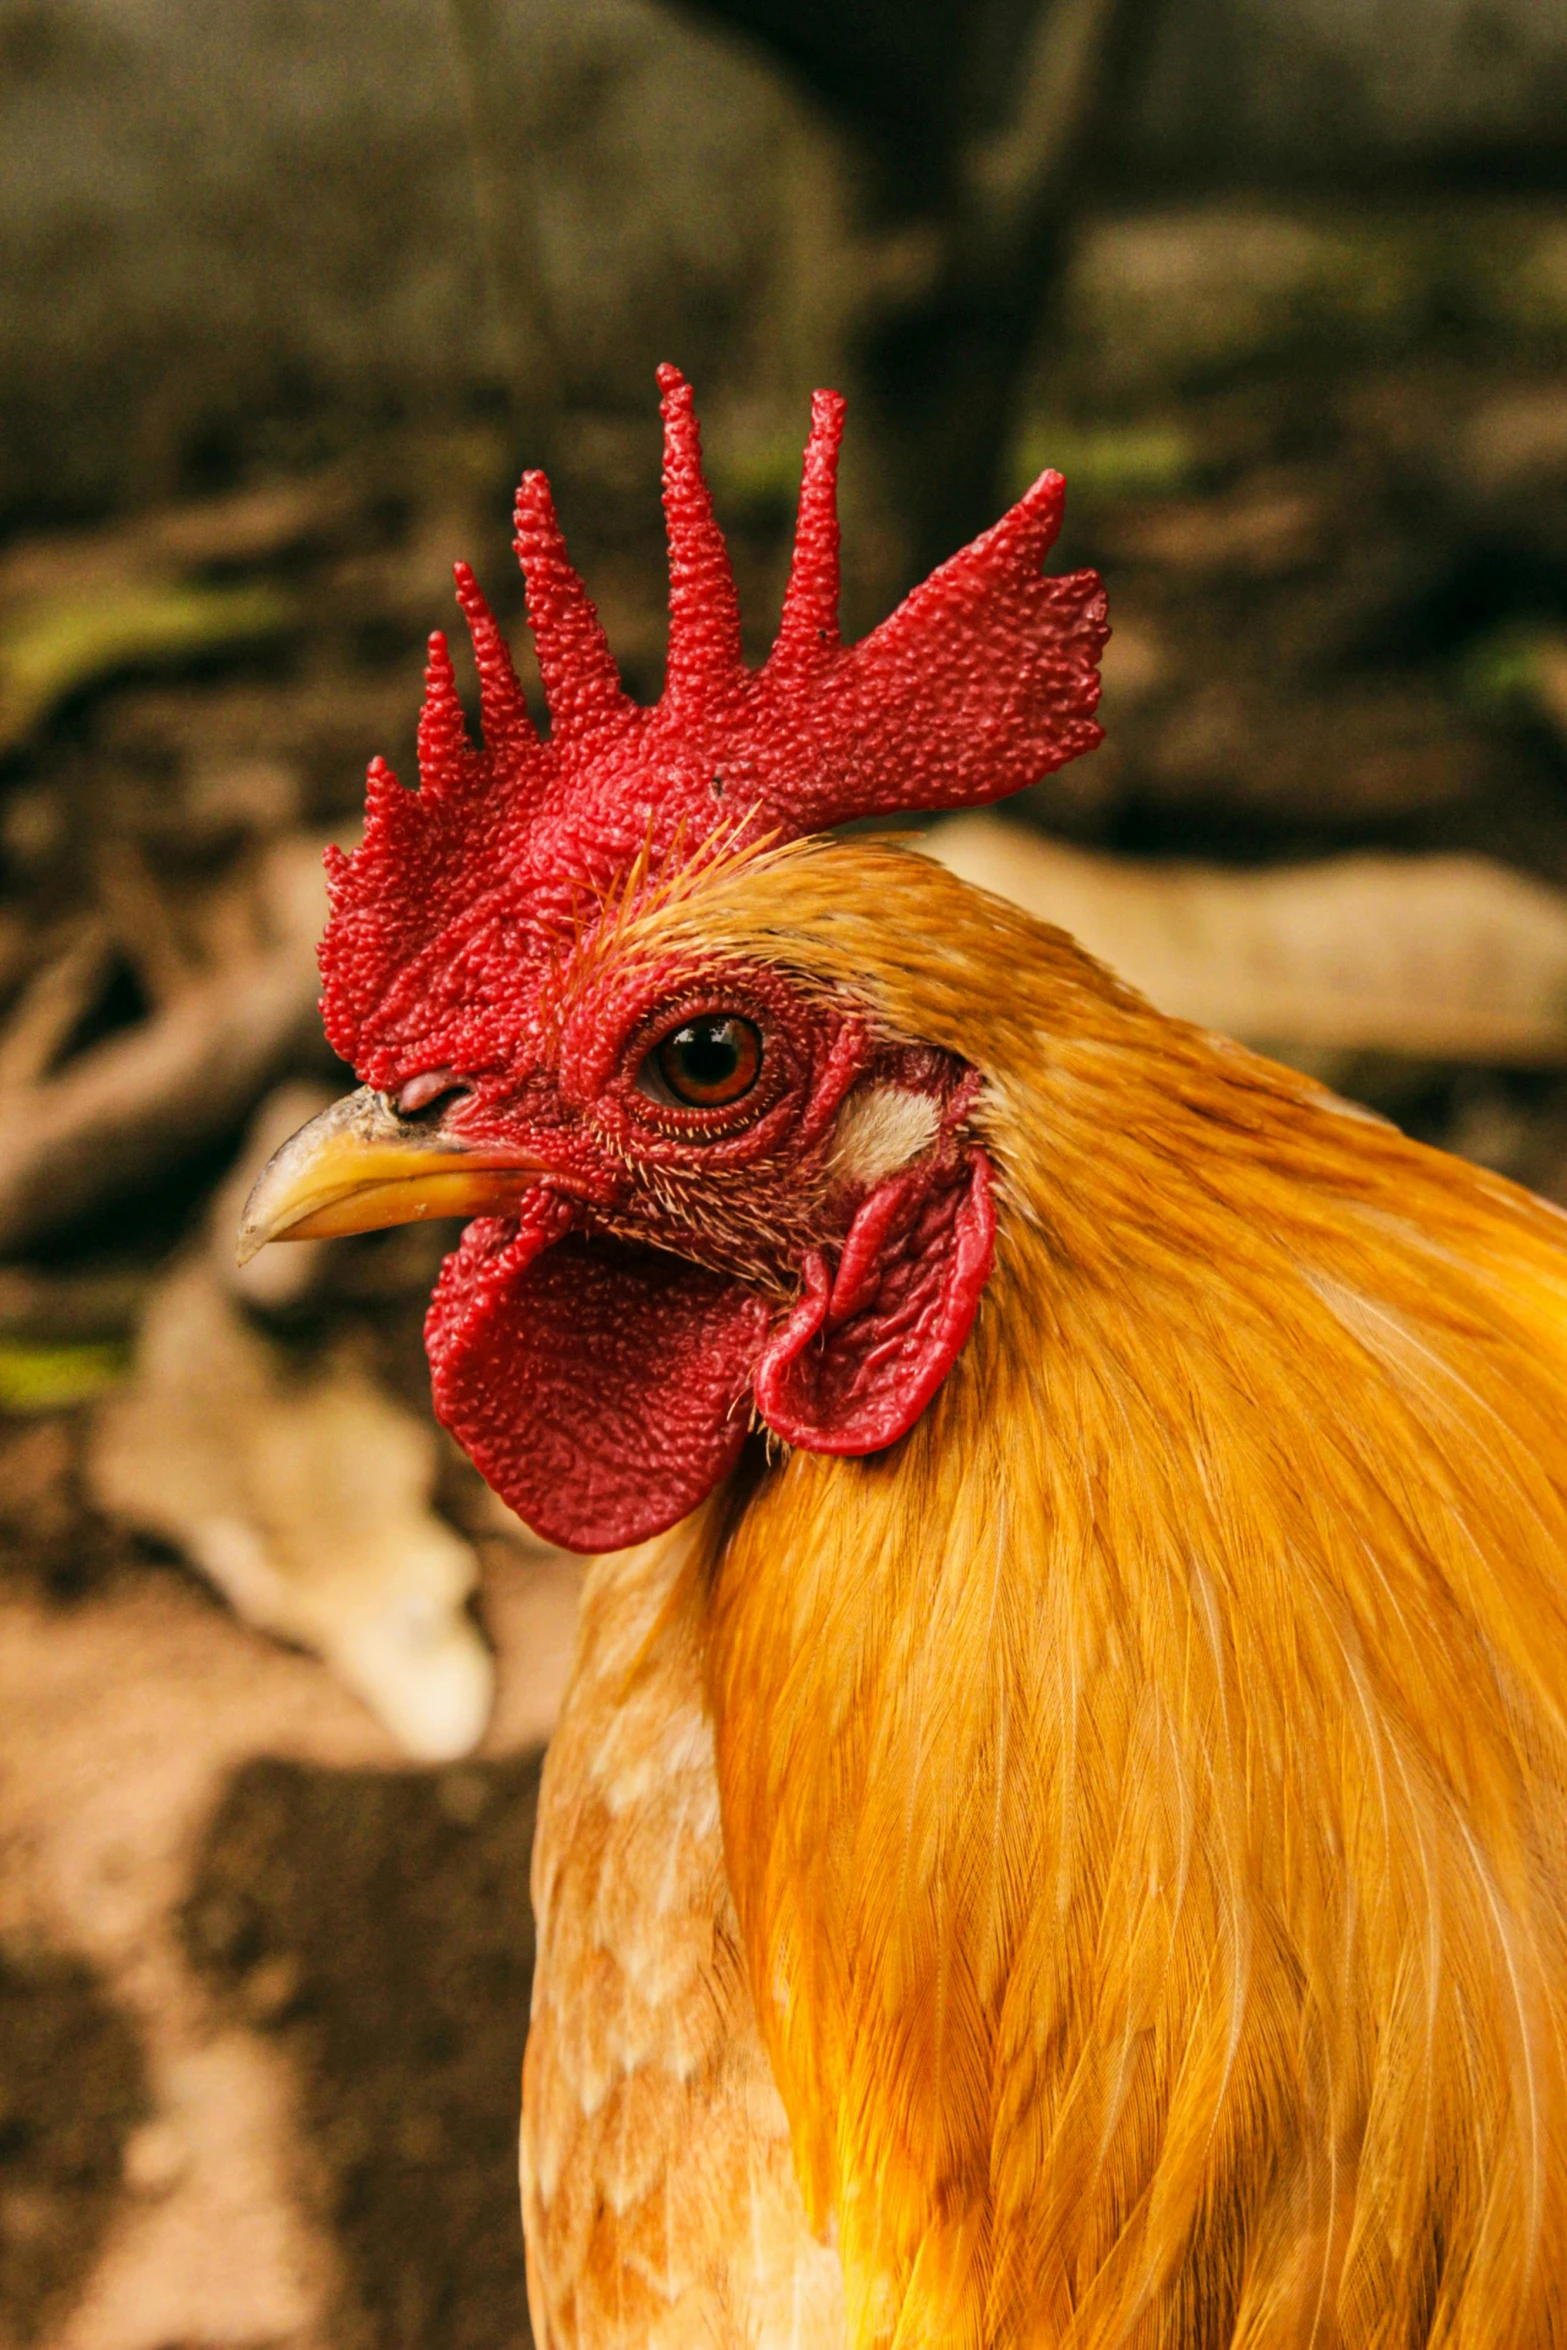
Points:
(1144, 1789)
(658, 2194)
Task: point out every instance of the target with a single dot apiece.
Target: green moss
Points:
(757, 482)
(1516, 668)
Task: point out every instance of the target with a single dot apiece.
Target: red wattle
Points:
(853, 1366)
(600, 1389)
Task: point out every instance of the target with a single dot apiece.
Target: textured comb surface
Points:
(984, 679)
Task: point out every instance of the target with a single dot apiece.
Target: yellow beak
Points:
(359, 1167)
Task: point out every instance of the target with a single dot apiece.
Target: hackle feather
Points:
(1144, 1788)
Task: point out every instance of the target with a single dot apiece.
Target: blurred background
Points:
(290, 291)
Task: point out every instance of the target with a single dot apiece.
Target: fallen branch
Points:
(140, 922)
(140, 1102)
(51, 1004)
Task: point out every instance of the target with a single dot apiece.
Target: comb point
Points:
(581, 682)
(445, 752)
(809, 630)
(704, 608)
(509, 734)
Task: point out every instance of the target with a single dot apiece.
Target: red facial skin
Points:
(601, 1355)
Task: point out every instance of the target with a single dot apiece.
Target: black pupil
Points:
(711, 1060)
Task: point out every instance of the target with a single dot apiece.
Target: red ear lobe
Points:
(855, 1364)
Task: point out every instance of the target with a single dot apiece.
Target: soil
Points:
(263, 1989)
(377, 1926)
(73, 2087)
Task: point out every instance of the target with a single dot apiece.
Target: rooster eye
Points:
(705, 1063)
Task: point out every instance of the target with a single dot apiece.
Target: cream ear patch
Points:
(880, 1129)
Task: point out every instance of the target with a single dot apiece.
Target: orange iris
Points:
(711, 1061)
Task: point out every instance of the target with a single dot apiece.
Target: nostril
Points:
(425, 1090)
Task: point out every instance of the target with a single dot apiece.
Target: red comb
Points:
(983, 680)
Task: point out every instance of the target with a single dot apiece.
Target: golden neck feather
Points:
(1144, 1788)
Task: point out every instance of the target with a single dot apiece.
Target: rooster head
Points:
(708, 1186)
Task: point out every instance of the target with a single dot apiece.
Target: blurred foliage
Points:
(36, 1378)
(53, 648)
(1149, 460)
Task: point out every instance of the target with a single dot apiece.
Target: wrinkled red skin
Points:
(599, 1356)
(852, 1368)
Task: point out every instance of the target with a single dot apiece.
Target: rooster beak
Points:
(359, 1167)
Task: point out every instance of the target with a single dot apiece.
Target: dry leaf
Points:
(305, 1495)
(1448, 958)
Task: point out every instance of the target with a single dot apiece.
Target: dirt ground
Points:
(263, 1989)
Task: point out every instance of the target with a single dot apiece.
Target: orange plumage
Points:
(1060, 1841)
(1143, 1789)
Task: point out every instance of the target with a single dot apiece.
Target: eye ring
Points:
(708, 1061)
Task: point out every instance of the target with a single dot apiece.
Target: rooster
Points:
(1057, 1834)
